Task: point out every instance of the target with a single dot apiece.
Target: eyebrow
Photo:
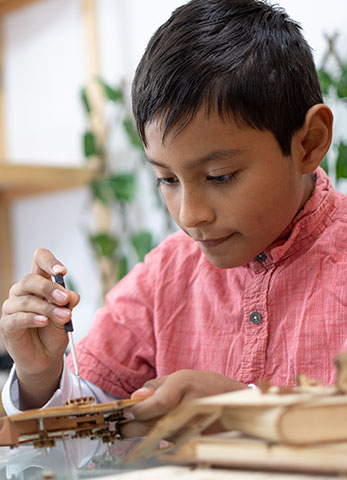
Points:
(214, 155)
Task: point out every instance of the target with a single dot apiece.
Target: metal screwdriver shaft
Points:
(69, 329)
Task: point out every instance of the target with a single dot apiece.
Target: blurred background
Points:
(72, 175)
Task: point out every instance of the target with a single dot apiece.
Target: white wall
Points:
(43, 72)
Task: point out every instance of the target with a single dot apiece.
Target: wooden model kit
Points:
(299, 428)
(303, 428)
(78, 418)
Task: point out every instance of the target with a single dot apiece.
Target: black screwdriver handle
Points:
(59, 278)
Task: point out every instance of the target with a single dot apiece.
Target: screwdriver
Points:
(69, 329)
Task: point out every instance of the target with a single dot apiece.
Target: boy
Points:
(229, 108)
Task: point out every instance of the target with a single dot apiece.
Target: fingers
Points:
(166, 396)
(39, 286)
(148, 388)
(34, 300)
(45, 264)
(32, 311)
(15, 323)
(179, 387)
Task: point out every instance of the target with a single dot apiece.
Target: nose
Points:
(195, 209)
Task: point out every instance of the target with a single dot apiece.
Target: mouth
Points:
(213, 242)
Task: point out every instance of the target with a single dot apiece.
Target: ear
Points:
(311, 143)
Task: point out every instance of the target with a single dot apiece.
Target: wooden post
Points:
(94, 89)
(2, 112)
(6, 278)
(101, 213)
(5, 248)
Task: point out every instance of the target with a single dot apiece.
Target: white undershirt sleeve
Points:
(81, 450)
(68, 388)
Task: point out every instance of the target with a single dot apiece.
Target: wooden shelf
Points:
(23, 180)
(18, 181)
(9, 5)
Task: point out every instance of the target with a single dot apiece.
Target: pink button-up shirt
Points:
(282, 314)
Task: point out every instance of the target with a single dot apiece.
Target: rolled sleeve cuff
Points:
(68, 388)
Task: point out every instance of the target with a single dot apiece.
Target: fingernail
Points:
(40, 319)
(141, 391)
(58, 268)
(129, 415)
(61, 312)
(59, 295)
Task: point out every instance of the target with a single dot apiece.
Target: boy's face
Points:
(231, 189)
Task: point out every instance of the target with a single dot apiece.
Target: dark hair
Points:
(246, 58)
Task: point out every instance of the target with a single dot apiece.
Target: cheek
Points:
(258, 206)
(172, 201)
(273, 208)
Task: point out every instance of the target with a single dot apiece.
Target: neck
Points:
(308, 186)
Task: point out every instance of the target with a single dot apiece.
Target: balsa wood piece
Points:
(232, 450)
(304, 415)
(78, 419)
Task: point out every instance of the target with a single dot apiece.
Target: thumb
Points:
(45, 264)
(148, 388)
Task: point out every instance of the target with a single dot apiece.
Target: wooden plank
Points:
(23, 180)
(7, 6)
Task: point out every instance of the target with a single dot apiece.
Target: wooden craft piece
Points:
(307, 414)
(234, 450)
(341, 364)
(78, 418)
(307, 418)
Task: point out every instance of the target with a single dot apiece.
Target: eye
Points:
(168, 181)
(220, 179)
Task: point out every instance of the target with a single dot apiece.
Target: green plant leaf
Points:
(341, 162)
(341, 87)
(85, 100)
(123, 186)
(142, 243)
(123, 268)
(101, 189)
(104, 244)
(131, 132)
(113, 94)
(325, 80)
(89, 144)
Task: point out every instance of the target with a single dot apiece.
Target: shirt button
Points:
(255, 318)
(261, 257)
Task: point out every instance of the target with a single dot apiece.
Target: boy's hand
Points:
(32, 326)
(168, 392)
